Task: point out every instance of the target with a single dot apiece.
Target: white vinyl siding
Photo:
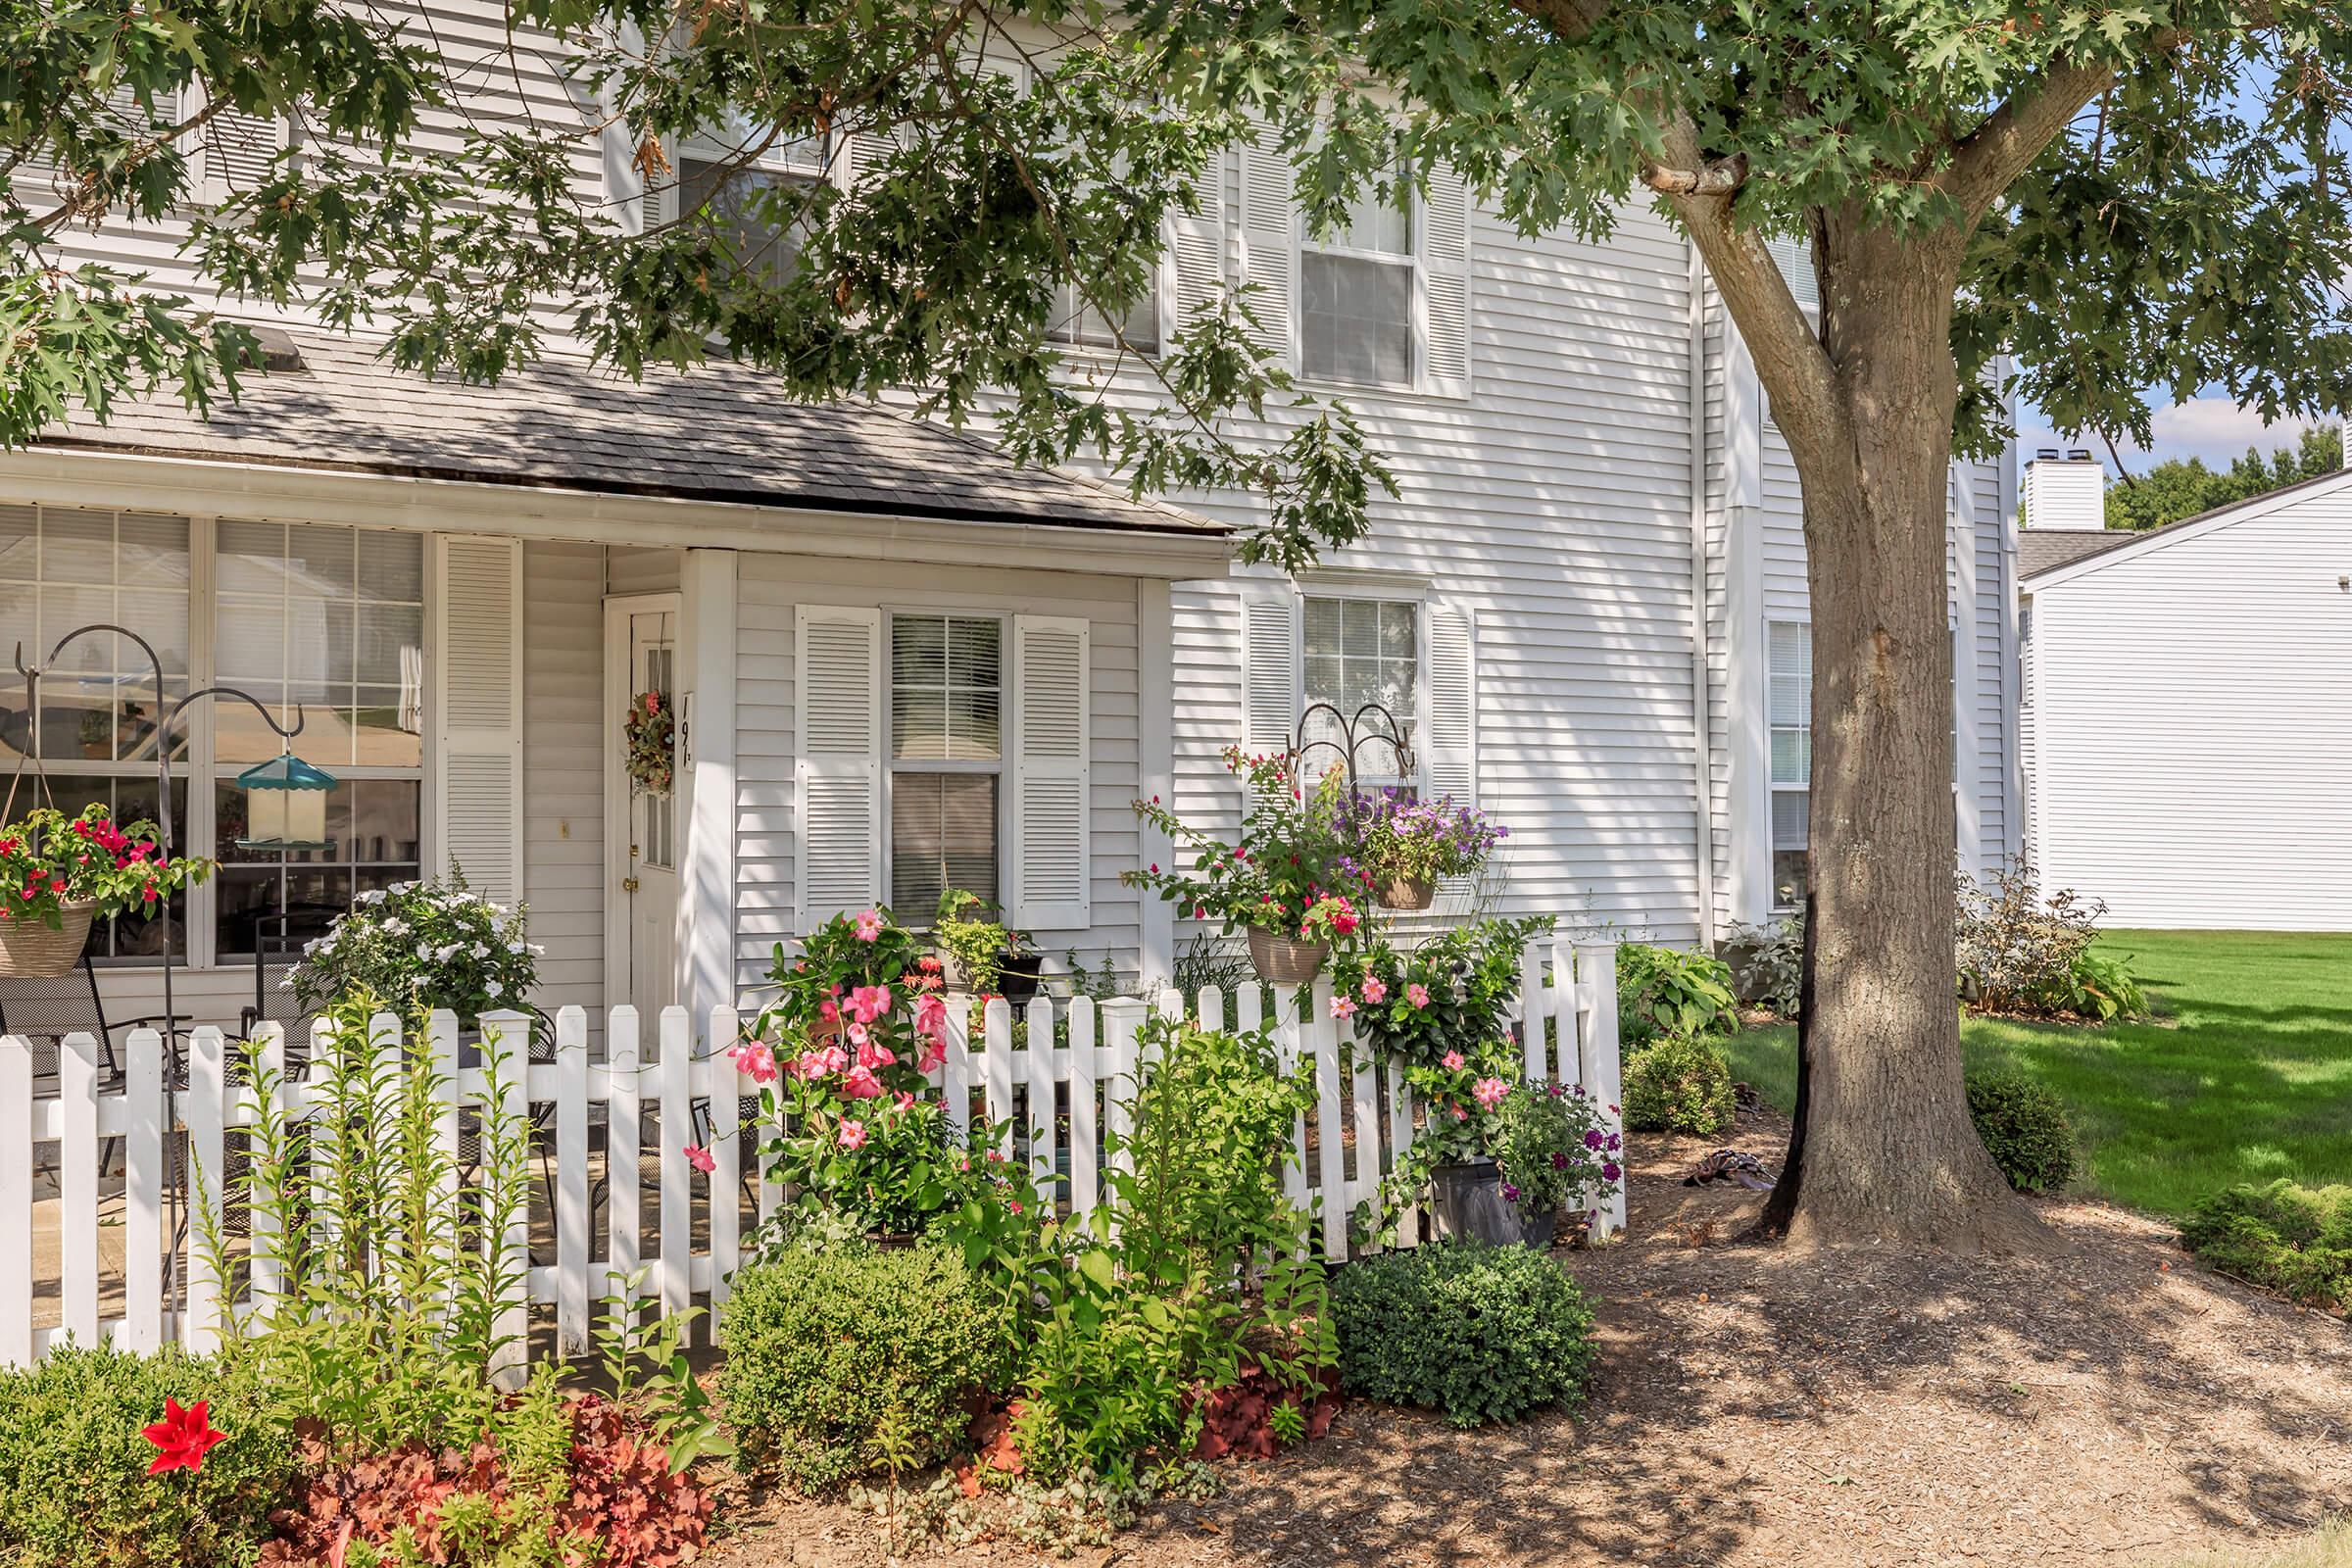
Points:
(2193, 723)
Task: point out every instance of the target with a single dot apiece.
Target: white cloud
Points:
(2213, 429)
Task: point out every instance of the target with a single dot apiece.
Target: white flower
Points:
(371, 898)
(396, 927)
(519, 949)
(478, 951)
(538, 952)
(425, 953)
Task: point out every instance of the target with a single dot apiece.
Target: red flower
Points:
(182, 1437)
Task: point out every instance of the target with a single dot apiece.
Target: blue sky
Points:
(2210, 427)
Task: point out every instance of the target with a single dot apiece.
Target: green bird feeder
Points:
(286, 806)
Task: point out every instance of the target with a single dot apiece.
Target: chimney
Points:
(2067, 491)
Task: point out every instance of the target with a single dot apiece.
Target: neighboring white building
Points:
(903, 661)
(2189, 711)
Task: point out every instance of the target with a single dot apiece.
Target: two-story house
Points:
(903, 663)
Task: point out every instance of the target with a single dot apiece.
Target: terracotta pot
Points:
(1280, 961)
(1409, 893)
(34, 950)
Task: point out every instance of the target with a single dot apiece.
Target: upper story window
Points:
(748, 192)
(946, 759)
(1078, 323)
(1359, 652)
(1356, 283)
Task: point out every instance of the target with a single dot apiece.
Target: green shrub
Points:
(1679, 1085)
(824, 1351)
(1671, 990)
(74, 1491)
(2101, 988)
(2294, 1240)
(2025, 1129)
(1480, 1332)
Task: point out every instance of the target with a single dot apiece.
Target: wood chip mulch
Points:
(2108, 1403)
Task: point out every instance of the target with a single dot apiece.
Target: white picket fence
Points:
(1059, 1093)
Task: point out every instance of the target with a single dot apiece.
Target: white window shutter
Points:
(478, 686)
(1450, 732)
(658, 203)
(1270, 244)
(1196, 254)
(1270, 676)
(1444, 257)
(1795, 259)
(837, 655)
(240, 152)
(1051, 870)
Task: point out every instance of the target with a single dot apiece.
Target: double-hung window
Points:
(1363, 652)
(1355, 283)
(750, 194)
(330, 621)
(1082, 325)
(1791, 704)
(946, 760)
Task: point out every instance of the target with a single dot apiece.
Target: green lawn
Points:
(2244, 1074)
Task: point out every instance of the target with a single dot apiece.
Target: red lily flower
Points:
(181, 1437)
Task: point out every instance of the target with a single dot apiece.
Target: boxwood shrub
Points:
(2294, 1240)
(74, 1491)
(825, 1349)
(1479, 1333)
(1678, 1083)
(2025, 1129)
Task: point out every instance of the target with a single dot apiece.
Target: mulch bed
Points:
(2106, 1404)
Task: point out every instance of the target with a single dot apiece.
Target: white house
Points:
(903, 662)
(2188, 702)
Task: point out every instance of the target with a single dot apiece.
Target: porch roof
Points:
(717, 433)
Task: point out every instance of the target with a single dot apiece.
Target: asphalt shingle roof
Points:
(711, 434)
(2042, 549)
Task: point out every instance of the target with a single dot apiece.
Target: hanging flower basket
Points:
(35, 949)
(650, 744)
(1409, 893)
(1280, 960)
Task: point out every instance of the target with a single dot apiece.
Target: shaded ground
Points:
(2110, 1405)
(2242, 1076)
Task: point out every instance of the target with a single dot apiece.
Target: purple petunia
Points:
(1609, 1170)
(1510, 1194)
(1559, 1159)
(1594, 1139)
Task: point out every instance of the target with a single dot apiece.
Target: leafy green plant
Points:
(967, 930)
(49, 859)
(1551, 1145)
(2101, 987)
(1770, 968)
(646, 1369)
(2016, 948)
(2283, 1236)
(1450, 995)
(1671, 990)
(1292, 872)
(74, 1491)
(2025, 1129)
(1480, 1334)
(1192, 1268)
(1679, 1085)
(826, 1353)
(1395, 834)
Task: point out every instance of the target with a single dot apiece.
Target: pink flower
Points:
(756, 1061)
(829, 1011)
(858, 1036)
(1375, 989)
(870, 928)
(832, 1060)
(1451, 1061)
(1460, 1114)
(869, 1002)
(1343, 1007)
(701, 1159)
(906, 1101)
(1418, 994)
(872, 1054)
(931, 1014)
(853, 1134)
(935, 1056)
(1200, 912)
(1490, 1092)
(860, 1083)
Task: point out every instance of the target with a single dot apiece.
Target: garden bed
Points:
(2110, 1403)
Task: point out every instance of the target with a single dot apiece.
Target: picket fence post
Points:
(622, 1115)
(207, 1152)
(1598, 1054)
(143, 1136)
(571, 1182)
(1086, 1175)
(15, 1200)
(722, 1187)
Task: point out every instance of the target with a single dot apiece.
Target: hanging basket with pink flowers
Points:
(648, 736)
(58, 874)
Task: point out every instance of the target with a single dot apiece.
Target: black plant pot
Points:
(1018, 978)
(1466, 1201)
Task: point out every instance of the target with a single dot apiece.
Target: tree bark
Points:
(1884, 1149)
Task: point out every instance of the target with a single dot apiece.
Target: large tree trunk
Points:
(1884, 1149)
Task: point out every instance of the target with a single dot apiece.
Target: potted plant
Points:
(1548, 1144)
(59, 873)
(841, 1058)
(979, 954)
(1290, 884)
(1455, 988)
(422, 945)
(1406, 845)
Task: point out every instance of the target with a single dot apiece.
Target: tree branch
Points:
(1720, 178)
(1988, 159)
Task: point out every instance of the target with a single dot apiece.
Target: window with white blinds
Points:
(1355, 284)
(946, 760)
(1363, 652)
(1791, 714)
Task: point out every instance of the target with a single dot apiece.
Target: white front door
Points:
(641, 641)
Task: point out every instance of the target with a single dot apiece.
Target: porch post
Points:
(707, 829)
(1155, 675)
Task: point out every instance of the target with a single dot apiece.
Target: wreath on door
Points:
(648, 736)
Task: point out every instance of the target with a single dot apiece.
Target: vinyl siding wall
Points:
(2192, 742)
